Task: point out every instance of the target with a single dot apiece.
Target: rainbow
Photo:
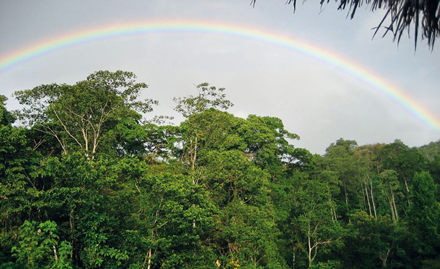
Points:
(262, 35)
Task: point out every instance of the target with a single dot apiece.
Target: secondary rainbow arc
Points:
(262, 35)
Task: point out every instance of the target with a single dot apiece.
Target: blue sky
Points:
(314, 99)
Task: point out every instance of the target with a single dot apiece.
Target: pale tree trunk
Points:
(392, 210)
(310, 249)
(195, 153)
(372, 198)
(346, 196)
(332, 211)
(384, 257)
(193, 159)
(346, 201)
(370, 183)
(293, 258)
(367, 196)
(147, 260)
(313, 244)
(192, 155)
(149, 253)
(395, 207)
(72, 230)
(55, 253)
(407, 192)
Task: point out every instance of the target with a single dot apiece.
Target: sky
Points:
(315, 98)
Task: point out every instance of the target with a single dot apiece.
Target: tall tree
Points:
(372, 242)
(80, 116)
(315, 224)
(18, 189)
(197, 125)
(424, 216)
(340, 158)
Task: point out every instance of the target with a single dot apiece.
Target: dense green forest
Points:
(87, 182)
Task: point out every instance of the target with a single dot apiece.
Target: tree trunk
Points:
(310, 252)
(395, 207)
(393, 217)
(384, 257)
(310, 246)
(372, 198)
(147, 259)
(194, 154)
(55, 253)
(333, 211)
(407, 192)
(72, 231)
(293, 258)
(367, 197)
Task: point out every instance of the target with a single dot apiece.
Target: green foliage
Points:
(97, 253)
(371, 242)
(208, 97)
(406, 161)
(431, 150)
(89, 184)
(314, 221)
(38, 245)
(425, 215)
(6, 117)
(81, 116)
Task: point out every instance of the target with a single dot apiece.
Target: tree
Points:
(208, 97)
(246, 233)
(431, 150)
(81, 116)
(340, 158)
(39, 247)
(406, 162)
(18, 189)
(315, 223)
(390, 185)
(424, 216)
(423, 15)
(371, 242)
(268, 144)
(197, 125)
(89, 186)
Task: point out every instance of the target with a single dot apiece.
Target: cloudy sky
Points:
(315, 99)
